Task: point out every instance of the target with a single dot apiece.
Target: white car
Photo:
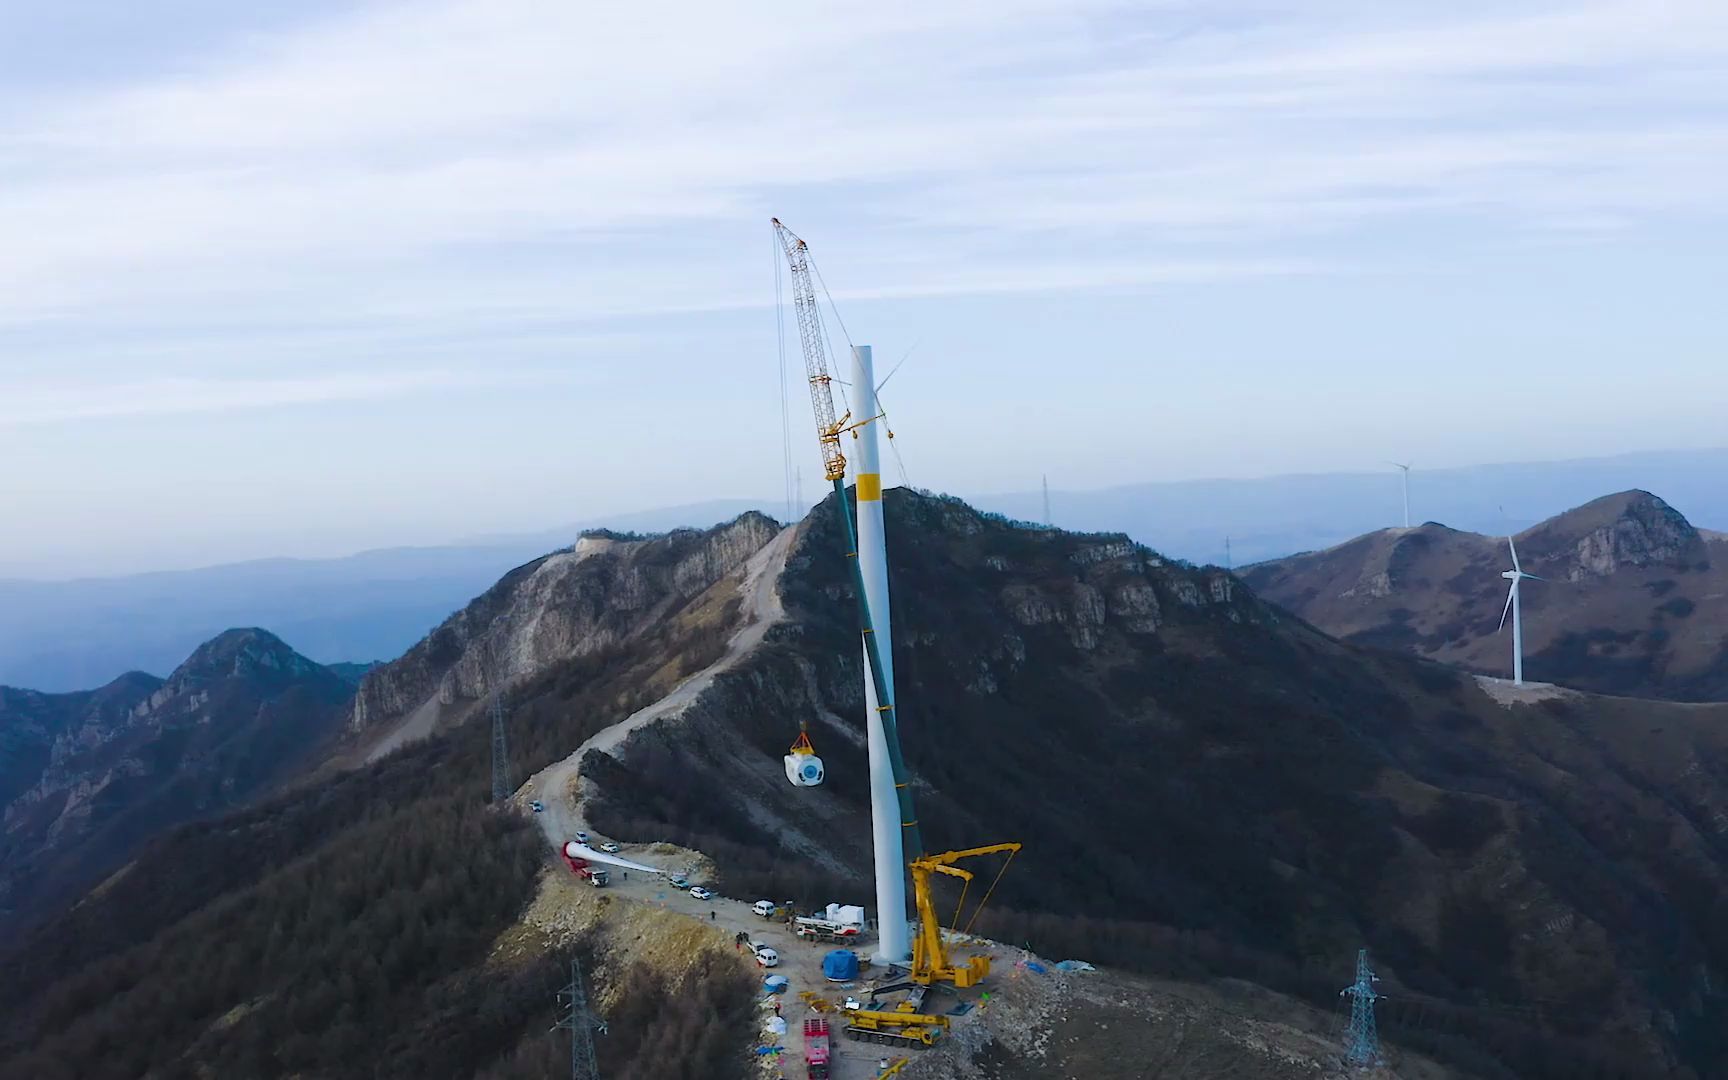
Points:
(700, 893)
(767, 957)
(610, 847)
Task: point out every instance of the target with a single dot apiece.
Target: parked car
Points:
(582, 838)
(678, 881)
(700, 893)
(767, 957)
(537, 806)
(610, 848)
(764, 908)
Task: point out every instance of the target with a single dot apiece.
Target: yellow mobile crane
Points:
(930, 962)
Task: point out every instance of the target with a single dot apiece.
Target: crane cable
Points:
(785, 406)
(847, 334)
(973, 921)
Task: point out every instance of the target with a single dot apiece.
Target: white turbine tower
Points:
(1406, 470)
(1515, 575)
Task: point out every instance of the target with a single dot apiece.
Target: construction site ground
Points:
(1042, 1024)
(568, 906)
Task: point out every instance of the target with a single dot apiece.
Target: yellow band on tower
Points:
(869, 487)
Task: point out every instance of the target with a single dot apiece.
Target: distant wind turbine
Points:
(1406, 469)
(1515, 575)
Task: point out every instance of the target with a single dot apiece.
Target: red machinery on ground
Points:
(593, 875)
(816, 1049)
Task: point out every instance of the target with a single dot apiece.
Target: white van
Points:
(764, 908)
(767, 957)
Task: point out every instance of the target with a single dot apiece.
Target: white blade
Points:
(1508, 608)
(1532, 577)
(1514, 549)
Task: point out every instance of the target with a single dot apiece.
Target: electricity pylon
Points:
(1362, 1038)
(582, 1025)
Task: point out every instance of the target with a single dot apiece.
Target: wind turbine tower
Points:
(1515, 575)
(1405, 469)
(894, 941)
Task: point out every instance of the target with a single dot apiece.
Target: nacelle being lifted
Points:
(803, 767)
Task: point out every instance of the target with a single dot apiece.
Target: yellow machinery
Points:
(897, 1028)
(930, 962)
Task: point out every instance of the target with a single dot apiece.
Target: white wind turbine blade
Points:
(1514, 549)
(1507, 610)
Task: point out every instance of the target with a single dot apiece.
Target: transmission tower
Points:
(582, 1024)
(501, 788)
(1362, 1038)
(1047, 522)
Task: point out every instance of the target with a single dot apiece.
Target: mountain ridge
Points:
(95, 773)
(1206, 788)
(1636, 600)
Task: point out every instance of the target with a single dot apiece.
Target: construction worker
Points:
(711, 916)
(882, 1066)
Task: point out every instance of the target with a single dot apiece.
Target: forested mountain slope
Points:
(1205, 786)
(89, 777)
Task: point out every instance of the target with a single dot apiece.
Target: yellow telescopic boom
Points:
(930, 963)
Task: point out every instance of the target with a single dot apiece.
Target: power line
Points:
(785, 408)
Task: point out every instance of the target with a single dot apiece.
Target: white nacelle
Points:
(804, 770)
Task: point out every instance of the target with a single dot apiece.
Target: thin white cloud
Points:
(38, 402)
(460, 161)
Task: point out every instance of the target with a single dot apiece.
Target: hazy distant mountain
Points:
(73, 635)
(86, 778)
(80, 634)
(1636, 600)
(1276, 516)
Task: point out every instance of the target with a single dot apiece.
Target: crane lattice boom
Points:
(815, 342)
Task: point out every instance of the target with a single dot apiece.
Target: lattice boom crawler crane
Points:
(927, 953)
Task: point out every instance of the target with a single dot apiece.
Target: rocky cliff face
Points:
(1633, 529)
(96, 773)
(1635, 601)
(593, 598)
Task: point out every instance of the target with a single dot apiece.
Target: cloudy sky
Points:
(301, 279)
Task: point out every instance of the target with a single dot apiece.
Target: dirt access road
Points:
(559, 787)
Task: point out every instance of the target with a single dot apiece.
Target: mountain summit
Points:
(1635, 601)
(92, 775)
